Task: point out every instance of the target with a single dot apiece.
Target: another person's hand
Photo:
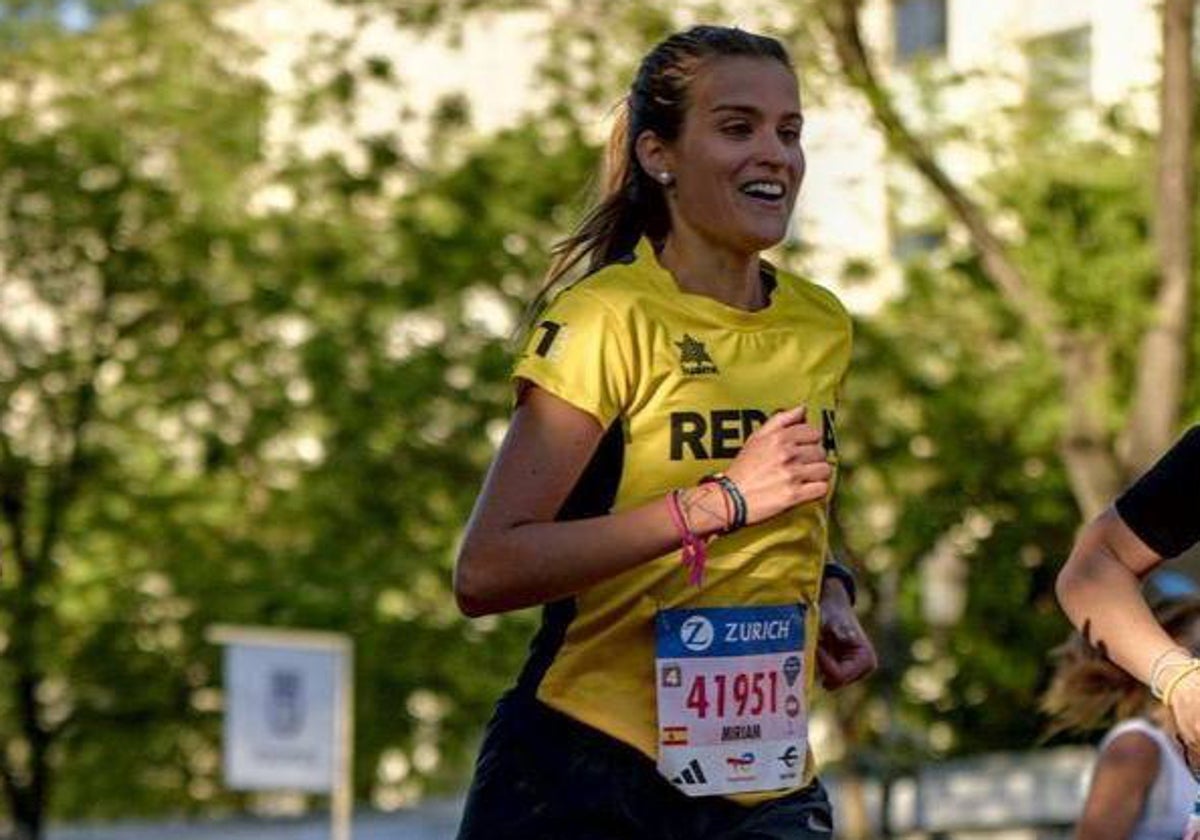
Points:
(1185, 711)
(781, 465)
(844, 653)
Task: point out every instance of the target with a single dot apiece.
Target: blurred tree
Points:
(1025, 372)
(239, 386)
(24, 21)
(243, 384)
(1102, 448)
(115, 216)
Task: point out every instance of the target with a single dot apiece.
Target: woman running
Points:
(663, 486)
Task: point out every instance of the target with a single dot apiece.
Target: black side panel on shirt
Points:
(1163, 506)
(593, 495)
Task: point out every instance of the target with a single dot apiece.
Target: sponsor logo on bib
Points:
(697, 633)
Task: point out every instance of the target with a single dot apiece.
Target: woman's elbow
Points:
(467, 594)
(474, 593)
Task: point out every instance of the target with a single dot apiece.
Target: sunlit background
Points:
(261, 263)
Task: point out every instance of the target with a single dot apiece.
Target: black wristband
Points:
(736, 499)
(836, 570)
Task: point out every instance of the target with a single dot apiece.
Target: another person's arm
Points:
(1121, 780)
(1100, 590)
(1099, 587)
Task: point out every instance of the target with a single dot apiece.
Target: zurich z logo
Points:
(697, 633)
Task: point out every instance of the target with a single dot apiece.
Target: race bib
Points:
(730, 685)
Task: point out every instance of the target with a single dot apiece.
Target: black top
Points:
(1163, 506)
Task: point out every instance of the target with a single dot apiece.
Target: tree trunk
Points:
(1162, 357)
(1087, 446)
(24, 764)
(853, 819)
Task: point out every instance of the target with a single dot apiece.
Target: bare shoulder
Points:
(1131, 753)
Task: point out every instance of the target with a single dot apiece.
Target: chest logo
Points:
(694, 358)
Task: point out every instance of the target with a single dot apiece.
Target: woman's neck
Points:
(702, 268)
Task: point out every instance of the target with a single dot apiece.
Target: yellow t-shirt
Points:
(679, 380)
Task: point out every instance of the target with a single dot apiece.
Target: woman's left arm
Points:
(844, 652)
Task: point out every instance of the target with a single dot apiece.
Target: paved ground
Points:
(432, 821)
(1019, 796)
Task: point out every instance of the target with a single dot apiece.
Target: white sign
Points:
(283, 705)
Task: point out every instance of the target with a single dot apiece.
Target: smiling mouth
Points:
(767, 192)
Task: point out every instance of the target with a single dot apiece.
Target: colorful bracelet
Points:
(735, 496)
(694, 552)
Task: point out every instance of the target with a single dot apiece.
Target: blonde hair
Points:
(1087, 691)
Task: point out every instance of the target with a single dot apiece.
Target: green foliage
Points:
(954, 417)
(281, 415)
(216, 407)
(950, 452)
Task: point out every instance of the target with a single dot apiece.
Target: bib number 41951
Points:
(730, 685)
(737, 695)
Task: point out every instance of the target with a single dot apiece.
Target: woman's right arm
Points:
(514, 554)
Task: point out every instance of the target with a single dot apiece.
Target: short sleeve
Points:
(1163, 506)
(579, 349)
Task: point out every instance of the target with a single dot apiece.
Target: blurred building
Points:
(859, 216)
(985, 56)
(957, 67)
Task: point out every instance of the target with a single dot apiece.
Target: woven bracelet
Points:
(693, 552)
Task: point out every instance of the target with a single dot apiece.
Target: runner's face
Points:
(738, 162)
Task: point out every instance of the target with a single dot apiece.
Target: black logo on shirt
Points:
(693, 358)
(720, 433)
(550, 332)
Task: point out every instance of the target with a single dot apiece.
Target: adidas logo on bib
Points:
(693, 774)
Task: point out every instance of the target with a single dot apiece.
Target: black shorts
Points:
(543, 776)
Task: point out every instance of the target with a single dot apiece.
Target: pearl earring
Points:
(666, 178)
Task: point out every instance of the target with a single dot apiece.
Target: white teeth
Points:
(765, 189)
